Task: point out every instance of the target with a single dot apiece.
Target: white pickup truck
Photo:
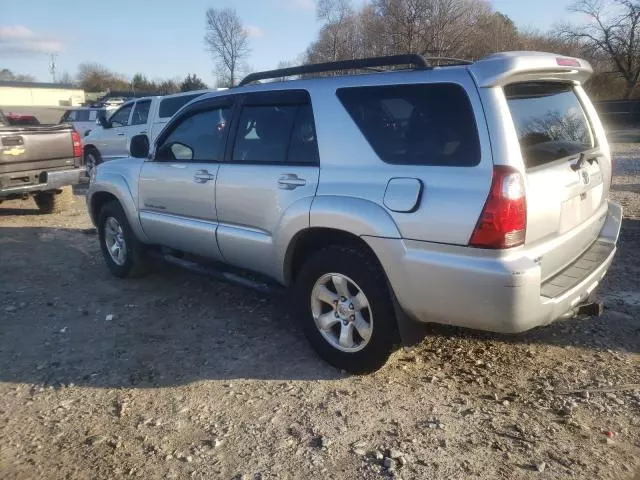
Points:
(111, 138)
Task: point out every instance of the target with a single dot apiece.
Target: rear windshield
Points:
(429, 124)
(169, 106)
(549, 120)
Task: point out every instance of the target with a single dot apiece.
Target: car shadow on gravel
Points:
(64, 319)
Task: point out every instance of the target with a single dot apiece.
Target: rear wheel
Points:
(122, 251)
(346, 309)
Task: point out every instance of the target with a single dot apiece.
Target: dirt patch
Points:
(178, 376)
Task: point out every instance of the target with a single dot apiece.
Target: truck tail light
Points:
(77, 144)
(503, 221)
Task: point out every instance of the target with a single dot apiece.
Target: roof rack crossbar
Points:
(358, 64)
(450, 60)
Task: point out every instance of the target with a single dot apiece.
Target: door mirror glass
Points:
(139, 147)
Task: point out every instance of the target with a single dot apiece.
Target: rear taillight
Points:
(77, 144)
(503, 221)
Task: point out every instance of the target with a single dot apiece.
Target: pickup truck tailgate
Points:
(42, 147)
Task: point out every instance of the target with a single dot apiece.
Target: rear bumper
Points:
(478, 289)
(48, 180)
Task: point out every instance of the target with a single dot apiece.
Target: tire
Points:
(362, 273)
(132, 257)
(92, 159)
(52, 202)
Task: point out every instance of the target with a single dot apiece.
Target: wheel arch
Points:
(111, 187)
(312, 239)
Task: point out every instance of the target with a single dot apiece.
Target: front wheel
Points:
(122, 251)
(346, 309)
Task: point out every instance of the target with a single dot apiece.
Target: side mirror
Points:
(139, 147)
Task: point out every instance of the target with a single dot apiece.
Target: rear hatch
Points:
(41, 148)
(567, 174)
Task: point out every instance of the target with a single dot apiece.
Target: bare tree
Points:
(612, 31)
(94, 77)
(228, 42)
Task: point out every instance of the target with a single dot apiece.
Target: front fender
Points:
(125, 191)
(353, 215)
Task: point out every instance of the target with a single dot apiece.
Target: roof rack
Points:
(417, 61)
(450, 61)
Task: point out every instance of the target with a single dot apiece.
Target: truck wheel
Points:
(52, 202)
(346, 310)
(123, 252)
(92, 159)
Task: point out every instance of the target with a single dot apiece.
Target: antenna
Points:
(52, 66)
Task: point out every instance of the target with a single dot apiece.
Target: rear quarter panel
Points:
(452, 197)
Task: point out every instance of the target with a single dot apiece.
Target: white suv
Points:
(473, 194)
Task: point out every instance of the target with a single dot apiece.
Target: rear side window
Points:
(169, 106)
(549, 120)
(276, 134)
(416, 124)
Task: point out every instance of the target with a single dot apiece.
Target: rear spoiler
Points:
(512, 67)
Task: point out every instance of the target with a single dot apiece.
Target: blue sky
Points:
(164, 38)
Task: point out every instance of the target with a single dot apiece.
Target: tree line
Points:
(609, 36)
(93, 77)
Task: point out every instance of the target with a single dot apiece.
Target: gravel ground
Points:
(179, 376)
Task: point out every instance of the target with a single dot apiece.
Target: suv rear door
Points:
(567, 174)
(272, 169)
(177, 201)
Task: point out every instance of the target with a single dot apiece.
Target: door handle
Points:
(289, 181)
(120, 134)
(203, 176)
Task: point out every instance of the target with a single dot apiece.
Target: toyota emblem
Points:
(586, 178)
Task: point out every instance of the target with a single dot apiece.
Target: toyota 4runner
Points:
(469, 194)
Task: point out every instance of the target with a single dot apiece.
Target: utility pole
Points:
(52, 67)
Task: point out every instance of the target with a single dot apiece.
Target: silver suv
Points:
(470, 194)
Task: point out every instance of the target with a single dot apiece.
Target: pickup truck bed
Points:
(39, 160)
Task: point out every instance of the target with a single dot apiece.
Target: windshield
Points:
(549, 120)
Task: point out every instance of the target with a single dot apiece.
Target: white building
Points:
(31, 94)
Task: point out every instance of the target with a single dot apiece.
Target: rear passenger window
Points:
(276, 134)
(198, 138)
(429, 124)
